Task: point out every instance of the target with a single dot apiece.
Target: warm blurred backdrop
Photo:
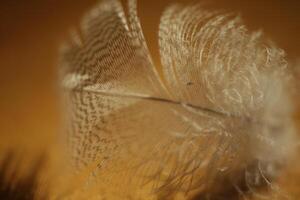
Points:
(32, 30)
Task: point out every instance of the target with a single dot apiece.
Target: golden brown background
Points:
(32, 30)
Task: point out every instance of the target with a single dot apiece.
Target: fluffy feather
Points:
(215, 124)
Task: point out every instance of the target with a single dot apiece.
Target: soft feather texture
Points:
(26, 186)
(213, 123)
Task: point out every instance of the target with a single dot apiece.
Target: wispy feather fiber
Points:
(213, 123)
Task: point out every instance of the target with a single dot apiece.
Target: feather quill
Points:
(216, 124)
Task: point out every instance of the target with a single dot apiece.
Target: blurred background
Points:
(31, 32)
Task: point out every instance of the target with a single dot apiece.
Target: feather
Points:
(17, 183)
(215, 124)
